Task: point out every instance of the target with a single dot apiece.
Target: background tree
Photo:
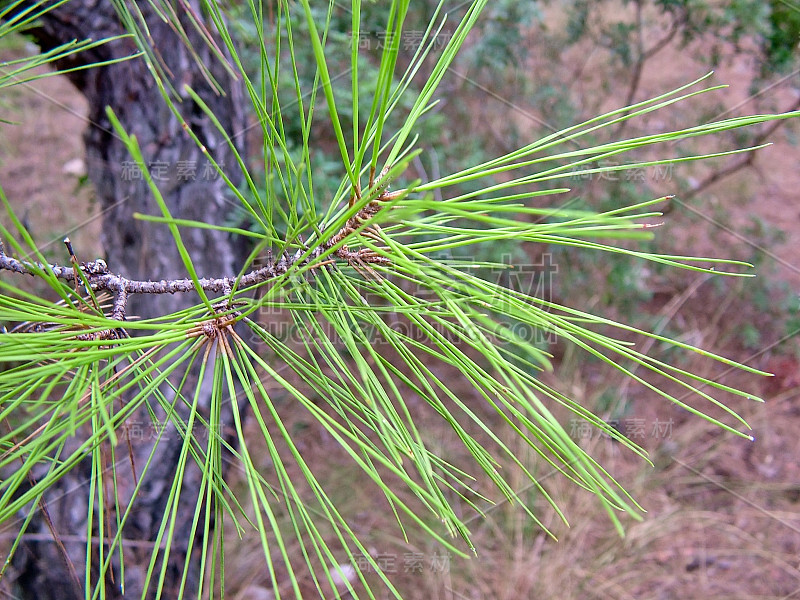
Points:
(191, 185)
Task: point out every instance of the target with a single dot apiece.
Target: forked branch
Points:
(96, 274)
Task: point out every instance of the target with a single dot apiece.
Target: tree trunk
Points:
(192, 190)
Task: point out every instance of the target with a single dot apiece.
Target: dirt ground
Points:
(43, 164)
(723, 513)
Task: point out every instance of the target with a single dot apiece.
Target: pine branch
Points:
(99, 278)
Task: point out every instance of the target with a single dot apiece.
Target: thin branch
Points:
(746, 161)
(644, 56)
(99, 278)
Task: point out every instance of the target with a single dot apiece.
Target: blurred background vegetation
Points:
(723, 513)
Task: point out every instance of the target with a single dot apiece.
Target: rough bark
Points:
(140, 250)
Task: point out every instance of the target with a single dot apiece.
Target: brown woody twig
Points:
(99, 278)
